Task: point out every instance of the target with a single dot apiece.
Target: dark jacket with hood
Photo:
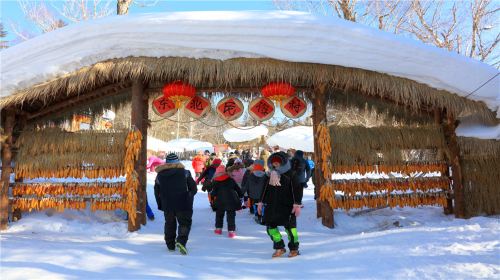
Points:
(279, 200)
(253, 183)
(227, 193)
(300, 167)
(174, 188)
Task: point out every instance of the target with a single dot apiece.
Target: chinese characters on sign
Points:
(164, 107)
(261, 109)
(198, 107)
(294, 107)
(230, 108)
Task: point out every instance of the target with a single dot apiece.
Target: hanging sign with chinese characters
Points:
(230, 108)
(261, 109)
(294, 107)
(164, 107)
(198, 107)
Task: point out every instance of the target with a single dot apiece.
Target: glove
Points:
(259, 208)
(296, 210)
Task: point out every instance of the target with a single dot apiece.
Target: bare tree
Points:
(40, 15)
(3, 34)
(80, 10)
(468, 27)
(122, 6)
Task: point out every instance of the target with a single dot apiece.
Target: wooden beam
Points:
(319, 117)
(158, 90)
(456, 170)
(438, 119)
(22, 123)
(81, 99)
(137, 121)
(8, 125)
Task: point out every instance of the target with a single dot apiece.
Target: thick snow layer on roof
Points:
(178, 145)
(298, 138)
(290, 36)
(478, 131)
(243, 134)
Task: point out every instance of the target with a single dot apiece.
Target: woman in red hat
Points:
(283, 198)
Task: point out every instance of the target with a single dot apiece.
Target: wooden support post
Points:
(8, 126)
(438, 119)
(143, 157)
(319, 116)
(137, 122)
(23, 120)
(456, 169)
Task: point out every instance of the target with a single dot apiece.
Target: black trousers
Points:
(182, 219)
(231, 217)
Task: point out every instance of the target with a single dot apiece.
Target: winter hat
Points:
(238, 161)
(258, 165)
(221, 170)
(299, 153)
(276, 159)
(172, 158)
(217, 161)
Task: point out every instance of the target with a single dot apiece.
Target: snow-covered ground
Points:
(419, 243)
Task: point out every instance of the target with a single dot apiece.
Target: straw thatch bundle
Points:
(246, 72)
(52, 151)
(480, 162)
(389, 145)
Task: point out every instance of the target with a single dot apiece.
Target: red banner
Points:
(261, 109)
(164, 107)
(294, 107)
(230, 108)
(198, 107)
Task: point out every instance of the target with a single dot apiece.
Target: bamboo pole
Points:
(323, 209)
(8, 125)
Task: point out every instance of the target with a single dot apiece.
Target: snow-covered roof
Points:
(243, 134)
(289, 36)
(178, 145)
(297, 137)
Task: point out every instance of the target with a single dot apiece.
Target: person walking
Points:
(283, 198)
(198, 164)
(227, 196)
(253, 183)
(300, 168)
(174, 192)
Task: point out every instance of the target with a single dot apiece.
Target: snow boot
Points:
(181, 248)
(218, 231)
(231, 234)
(279, 252)
(293, 253)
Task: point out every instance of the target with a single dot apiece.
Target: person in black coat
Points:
(253, 184)
(300, 168)
(227, 195)
(174, 193)
(283, 197)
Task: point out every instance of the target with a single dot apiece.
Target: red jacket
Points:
(198, 163)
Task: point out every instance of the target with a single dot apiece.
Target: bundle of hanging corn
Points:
(133, 147)
(408, 168)
(392, 200)
(366, 186)
(56, 153)
(71, 189)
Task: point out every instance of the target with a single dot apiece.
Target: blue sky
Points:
(11, 12)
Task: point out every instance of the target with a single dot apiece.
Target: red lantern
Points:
(164, 107)
(230, 108)
(278, 91)
(198, 107)
(179, 92)
(294, 107)
(261, 109)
